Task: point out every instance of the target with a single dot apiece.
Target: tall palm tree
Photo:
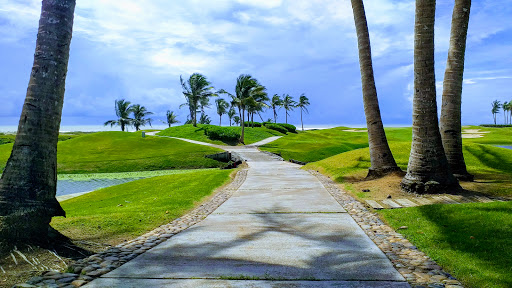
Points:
(171, 118)
(231, 114)
(28, 183)
(139, 116)
(450, 122)
(236, 119)
(496, 105)
(381, 158)
(197, 90)
(222, 107)
(276, 103)
(123, 110)
(303, 103)
(428, 170)
(257, 102)
(505, 107)
(288, 105)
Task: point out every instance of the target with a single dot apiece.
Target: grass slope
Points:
(472, 241)
(188, 131)
(105, 152)
(122, 212)
(310, 146)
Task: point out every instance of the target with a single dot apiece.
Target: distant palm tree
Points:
(205, 119)
(505, 107)
(171, 118)
(288, 105)
(303, 103)
(123, 110)
(139, 114)
(236, 119)
(222, 107)
(231, 114)
(496, 105)
(276, 103)
(257, 102)
(197, 90)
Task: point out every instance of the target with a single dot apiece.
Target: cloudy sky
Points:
(137, 50)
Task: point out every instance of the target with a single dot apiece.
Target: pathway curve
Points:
(281, 228)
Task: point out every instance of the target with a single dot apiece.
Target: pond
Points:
(506, 147)
(66, 187)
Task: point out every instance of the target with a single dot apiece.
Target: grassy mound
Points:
(106, 152)
(188, 131)
(114, 214)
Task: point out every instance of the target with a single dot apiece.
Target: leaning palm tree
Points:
(231, 114)
(197, 90)
(123, 110)
(139, 116)
(257, 102)
(381, 158)
(28, 183)
(505, 108)
(171, 118)
(222, 107)
(450, 121)
(288, 105)
(496, 105)
(276, 104)
(303, 103)
(428, 170)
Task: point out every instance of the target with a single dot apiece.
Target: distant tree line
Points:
(507, 111)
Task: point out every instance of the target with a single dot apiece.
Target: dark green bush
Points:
(288, 127)
(276, 127)
(250, 124)
(496, 125)
(6, 138)
(224, 134)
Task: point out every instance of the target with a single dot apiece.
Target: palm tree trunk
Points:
(301, 120)
(450, 123)
(428, 170)
(286, 120)
(381, 158)
(275, 116)
(220, 120)
(28, 184)
(243, 127)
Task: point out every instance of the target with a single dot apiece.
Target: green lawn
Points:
(310, 146)
(125, 211)
(471, 241)
(188, 131)
(105, 152)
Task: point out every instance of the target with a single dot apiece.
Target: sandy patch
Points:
(354, 130)
(472, 135)
(474, 131)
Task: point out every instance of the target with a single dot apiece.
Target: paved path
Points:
(280, 229)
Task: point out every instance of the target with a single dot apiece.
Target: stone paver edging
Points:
(87, 269)
(416, 267)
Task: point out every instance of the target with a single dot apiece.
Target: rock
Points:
(24, 285)
(66, 280)
(78, 283)
(35, 280)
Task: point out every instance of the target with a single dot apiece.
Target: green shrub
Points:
(277, 127)
(224, 134)
(250, 124)
(496, 125)
(288, 127)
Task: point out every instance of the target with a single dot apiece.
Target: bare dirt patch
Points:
(354, 130)
(473, 133)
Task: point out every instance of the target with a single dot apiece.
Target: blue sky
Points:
(137, 50)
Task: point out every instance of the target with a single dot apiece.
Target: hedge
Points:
(277, 127)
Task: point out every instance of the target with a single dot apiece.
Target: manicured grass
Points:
(105, 152)
(310, 146)
(122, 212)
(496, 136)
(188, 131)
(123, 175)
(472, 241)
(9, 138)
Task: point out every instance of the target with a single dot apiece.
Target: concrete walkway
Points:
(280, 229)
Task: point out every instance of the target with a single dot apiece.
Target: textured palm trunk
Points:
(382, 161)
(450, 123)
(275, 116)
(243, 127)
(301, 123)
(28, 184)
(428, 170)
(220, 120)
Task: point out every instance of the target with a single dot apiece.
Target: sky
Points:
(137, 50)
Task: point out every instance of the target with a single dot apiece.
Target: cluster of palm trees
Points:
(250, 98)
(124, 109)
(436, 159)
(507, 111)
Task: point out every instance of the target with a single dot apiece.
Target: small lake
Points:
(506, 147)
(65, 187)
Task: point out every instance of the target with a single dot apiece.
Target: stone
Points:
(78, 283)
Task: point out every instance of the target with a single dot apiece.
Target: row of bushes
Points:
(224, 134)
(276, 127)
(496, 125)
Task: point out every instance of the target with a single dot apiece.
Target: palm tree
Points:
(450, 122)
(303, 103)
(231, 114)
(28, 183)
(197, 91)
(171, 118)
(276, 104)
(123, 110)
(222, 107)
(381, 158)
(139, 114)
(204, 119)
(505, 107)
(257, 102)
(496, 105)
(288, 105)
(236, 119)
(428, 170)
